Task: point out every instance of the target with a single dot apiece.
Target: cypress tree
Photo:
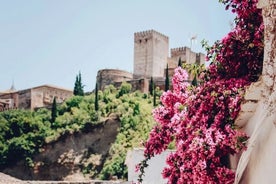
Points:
(179, 62)
(54, 111)
(96, 98)
(167, 80)
(151, 86)
(154, 97)
(81, 92)
(75, 92)
(78, 88)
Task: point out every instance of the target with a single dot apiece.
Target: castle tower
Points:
(150, 54)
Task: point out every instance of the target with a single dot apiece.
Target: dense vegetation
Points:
(23, 133)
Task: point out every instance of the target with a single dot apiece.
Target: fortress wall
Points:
(40, 96)
(186, 55)
(200, 58)
(44, 95)
(10, 98)
(140, 84)
(111, 76)
(177, 53)
(137, 84)
(24, 99)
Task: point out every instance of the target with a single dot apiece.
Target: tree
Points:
(180, 62)
(154, 97)
(194, 70)
(124, 89)
(96, 98)
(54, 111)
(78, 88)
(167, 80)
(151, 86)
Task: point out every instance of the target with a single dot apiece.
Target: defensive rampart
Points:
(110, 76)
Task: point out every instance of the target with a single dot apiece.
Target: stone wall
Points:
(136, 84)
(258, 115)
(111, 76)
(41, 96)
(24, 99)
(6, 179)
(186, 55)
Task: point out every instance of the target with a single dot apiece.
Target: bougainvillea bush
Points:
(200, 119)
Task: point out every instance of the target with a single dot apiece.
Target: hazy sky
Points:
(50, 41)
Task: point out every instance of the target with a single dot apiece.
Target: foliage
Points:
(21, 135)
(179, 62)
(200, 120)
(96, 98)
(136, 122)
(124, 89)
(24, 133)
(54, 111)
(196, 71)
(151, 86)
(167, 79)
(78, 88)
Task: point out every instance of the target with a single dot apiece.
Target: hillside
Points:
(81, 142)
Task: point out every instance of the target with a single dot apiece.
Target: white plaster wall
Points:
(152, 172)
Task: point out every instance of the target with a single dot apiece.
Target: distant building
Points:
(151, 56)
(36, 97)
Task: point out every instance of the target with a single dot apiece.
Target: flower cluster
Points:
(240, 52)
(200, 120)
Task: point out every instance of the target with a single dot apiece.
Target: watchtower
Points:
(150, 54)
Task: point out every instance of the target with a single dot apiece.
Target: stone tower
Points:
(150, 54)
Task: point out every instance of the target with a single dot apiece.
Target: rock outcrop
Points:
(70, 154)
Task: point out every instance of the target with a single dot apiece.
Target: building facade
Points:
(33, 98)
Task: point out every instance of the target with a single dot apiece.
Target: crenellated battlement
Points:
(149, 33)
(180, 50)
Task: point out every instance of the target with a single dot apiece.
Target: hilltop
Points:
(81, 142)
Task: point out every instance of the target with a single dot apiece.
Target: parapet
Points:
(110, 76)
(115, 72)
(179, 51)
(149, 33)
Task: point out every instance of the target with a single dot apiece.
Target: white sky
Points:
(50, 41)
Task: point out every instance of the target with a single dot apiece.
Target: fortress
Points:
(151, 56)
